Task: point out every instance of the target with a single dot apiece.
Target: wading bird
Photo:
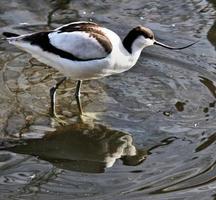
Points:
(85, 51)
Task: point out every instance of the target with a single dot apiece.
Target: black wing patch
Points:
(91, 28)
(41, 39)
(9, 34)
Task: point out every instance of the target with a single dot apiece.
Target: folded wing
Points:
(81, 41)
(84, 40)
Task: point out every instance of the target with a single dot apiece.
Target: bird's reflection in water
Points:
(80, 147)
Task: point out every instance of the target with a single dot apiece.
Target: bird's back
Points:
(81, 50)
(81, 41)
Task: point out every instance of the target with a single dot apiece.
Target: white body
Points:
(119, 60)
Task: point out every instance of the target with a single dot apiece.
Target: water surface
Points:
(148, 133)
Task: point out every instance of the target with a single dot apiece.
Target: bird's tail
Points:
(9, 35)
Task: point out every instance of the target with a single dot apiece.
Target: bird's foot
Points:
(59, 120)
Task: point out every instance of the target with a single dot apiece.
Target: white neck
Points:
(137, 46)
(140, 43)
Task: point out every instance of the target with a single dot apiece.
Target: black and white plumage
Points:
(85, 50)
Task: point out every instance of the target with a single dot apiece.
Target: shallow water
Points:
(149, 134)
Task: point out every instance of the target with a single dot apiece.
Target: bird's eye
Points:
(151, 37)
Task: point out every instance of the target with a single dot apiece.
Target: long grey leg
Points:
(52, 96)
(77, 96)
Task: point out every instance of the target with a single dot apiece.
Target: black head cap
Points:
(134, 34)
(146, 32)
